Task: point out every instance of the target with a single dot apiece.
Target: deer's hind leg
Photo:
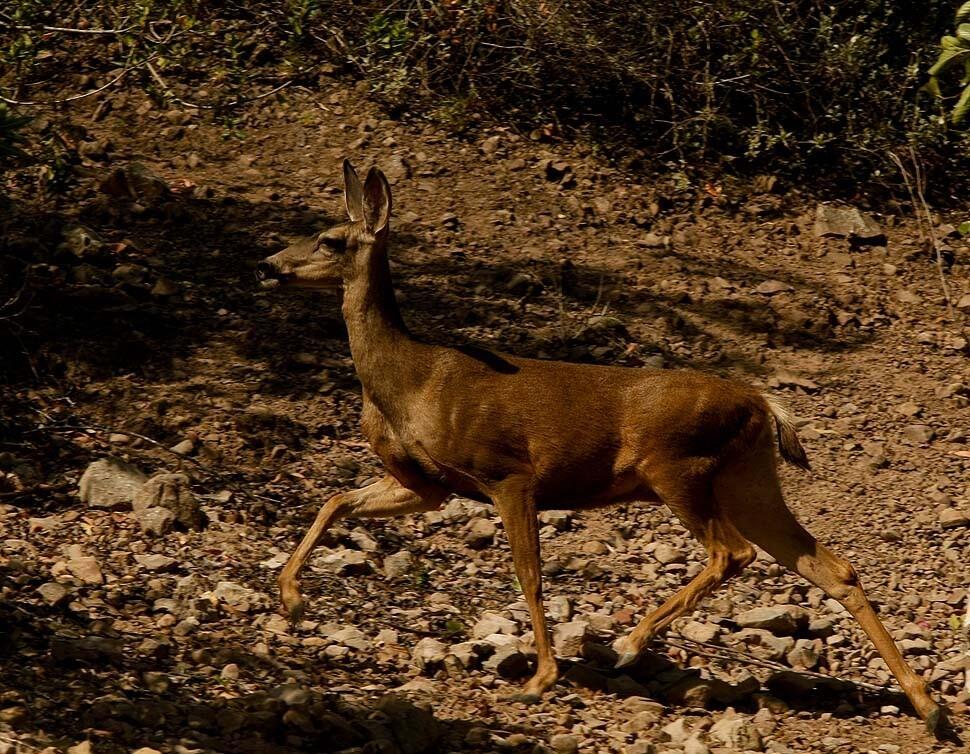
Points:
(383, 499)
(728, 552)
(749, 493)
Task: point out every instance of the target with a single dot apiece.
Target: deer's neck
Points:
(380, 344)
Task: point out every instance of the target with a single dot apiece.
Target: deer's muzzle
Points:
(267, 275)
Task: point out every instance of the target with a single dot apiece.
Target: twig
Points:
(75, 97)
(200, 106)
(726, 653)
(916, 186)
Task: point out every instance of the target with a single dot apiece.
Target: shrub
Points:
(955, 53)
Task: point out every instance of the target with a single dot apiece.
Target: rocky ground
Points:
(140, 613)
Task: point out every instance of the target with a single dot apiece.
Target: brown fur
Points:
(528, 434)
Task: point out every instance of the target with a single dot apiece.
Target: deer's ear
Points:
(377, 201)
(353, 193)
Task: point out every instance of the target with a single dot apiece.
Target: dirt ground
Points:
(156, 328)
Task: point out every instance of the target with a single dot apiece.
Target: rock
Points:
(508, 661)
(155, 521)
(428, 654)
(110, 483)
(397, 169)
(364, 541)
(847, 222)
(559, 608)
(558, 520)
(703, 633)
(398, 564)
(737, 733)
(491, 145)
(675, 732)
(80, 241)
(771, 287)
(136, 182)
(480, 533)
(415, 729)
(170, 492)
(491, 623)
(805, 654)
(668, 554)
(953, 518)
(131, 274)
(237, 597)
(781, 619)
(53, 593)
(83, 567)
(568, 638)
(155, 562)
(82, 748)
(694, 745)
(346, 562)
(764, 644)
(918, 433)
(184, 448)
(163, 288)
(564, 743)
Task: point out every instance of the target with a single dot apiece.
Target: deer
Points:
(528, 435)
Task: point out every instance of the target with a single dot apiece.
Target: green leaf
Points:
(951, 43)
(948, 59)
(963, 32)
(962, 108)
(964, 228)
(963, 12)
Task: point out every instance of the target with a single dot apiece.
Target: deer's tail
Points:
(788, 442)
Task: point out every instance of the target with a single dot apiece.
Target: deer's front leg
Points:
(383, 499)
(517, 509)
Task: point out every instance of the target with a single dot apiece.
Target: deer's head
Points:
(338, 254)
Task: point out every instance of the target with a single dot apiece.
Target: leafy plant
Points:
(954, 53)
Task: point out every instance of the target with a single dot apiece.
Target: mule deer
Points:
(530, 435)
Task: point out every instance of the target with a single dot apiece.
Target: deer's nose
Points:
(265, 271)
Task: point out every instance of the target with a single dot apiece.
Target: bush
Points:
(955, 53)
(799, 87)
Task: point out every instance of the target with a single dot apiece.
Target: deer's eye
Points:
(331, 243)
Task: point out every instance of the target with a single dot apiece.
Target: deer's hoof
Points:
(627, 658)
(294, 606)
(935, 720)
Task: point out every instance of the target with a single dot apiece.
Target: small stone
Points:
(84, 567)
(781, 619)
(564, 743)
(918, 433)
(668, 554)
(847, 222)
(184, 448)
(491, 623)
(676, 732)
(428, 654)
(230, 672)
(171, 492)
(558, 520)
(694, 745)
(480, 533)
(737, 733)
(704, 633)
(53, 593)
(491, 145)
(110, 483)
(398, 564)
(346, 562)
(953, 518)
(559, 608)
(568, 638)
(805, 654)
(771, 287)
(155, 562)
